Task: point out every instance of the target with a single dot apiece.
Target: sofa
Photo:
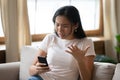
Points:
(20, 70)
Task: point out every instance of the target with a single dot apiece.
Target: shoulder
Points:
(50, 36)
(86, 40)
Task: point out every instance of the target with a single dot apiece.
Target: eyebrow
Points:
(62, 24)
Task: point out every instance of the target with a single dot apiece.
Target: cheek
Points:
(55, 28)
(67, 31)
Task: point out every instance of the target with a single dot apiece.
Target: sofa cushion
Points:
(103, 71)
(117, 72)
(27, 55)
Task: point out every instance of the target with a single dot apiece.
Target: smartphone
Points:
(42, 60)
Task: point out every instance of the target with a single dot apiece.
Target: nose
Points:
(60, 28)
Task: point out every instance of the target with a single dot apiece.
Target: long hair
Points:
(72, 14)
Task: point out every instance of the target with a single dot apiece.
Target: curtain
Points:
(23, 23)
(111, 27)
(16, 27)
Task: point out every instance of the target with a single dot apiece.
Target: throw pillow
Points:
(26, 57)
(103, 71)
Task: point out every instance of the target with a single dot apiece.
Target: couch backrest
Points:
(102, 71)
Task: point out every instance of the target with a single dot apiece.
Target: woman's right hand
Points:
(41, 67)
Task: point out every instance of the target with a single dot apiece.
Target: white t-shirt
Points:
(62, 65)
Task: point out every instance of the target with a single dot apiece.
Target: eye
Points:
(56, 25)
(65, 26)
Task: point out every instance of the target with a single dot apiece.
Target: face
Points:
(64, 28)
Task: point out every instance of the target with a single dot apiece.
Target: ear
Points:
(76, 25)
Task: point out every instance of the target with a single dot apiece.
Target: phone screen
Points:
(42, 60)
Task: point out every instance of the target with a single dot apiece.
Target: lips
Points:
(61, 35)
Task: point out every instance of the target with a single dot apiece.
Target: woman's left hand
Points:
(77, 53)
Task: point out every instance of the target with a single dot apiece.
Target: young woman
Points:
(70, 54)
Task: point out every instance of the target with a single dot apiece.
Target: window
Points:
(1, 32)
(41, 12)
(1, 29)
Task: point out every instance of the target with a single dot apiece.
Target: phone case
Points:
(42, 60)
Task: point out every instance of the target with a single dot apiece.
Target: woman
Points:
(70, 54)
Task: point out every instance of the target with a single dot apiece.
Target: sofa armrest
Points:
(9, 71)
(116, 75)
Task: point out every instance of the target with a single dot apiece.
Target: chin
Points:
(61, 37)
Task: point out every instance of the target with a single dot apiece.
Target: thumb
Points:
(86, 49)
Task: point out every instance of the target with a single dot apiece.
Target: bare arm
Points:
(85, 63)
(86, 68)
(36, 67)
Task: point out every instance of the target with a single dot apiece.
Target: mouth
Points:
(61, 35)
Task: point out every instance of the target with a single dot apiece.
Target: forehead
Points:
(62, 20)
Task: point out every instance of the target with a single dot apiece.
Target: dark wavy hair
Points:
(72, 14)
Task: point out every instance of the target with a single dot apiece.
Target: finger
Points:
(42, 68)
(70, 48)
(68, 51)
(86, 49)
(73, 47)
(38, 64)
(43, 71)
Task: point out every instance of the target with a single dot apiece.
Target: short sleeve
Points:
(91, 50)
(87, 42)
(45, 43)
